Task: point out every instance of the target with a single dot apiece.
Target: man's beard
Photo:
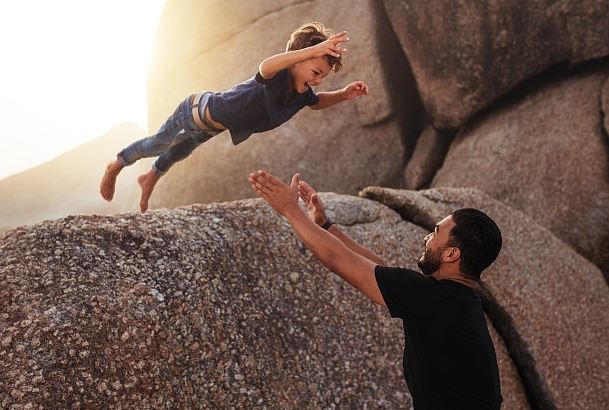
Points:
(430, 261)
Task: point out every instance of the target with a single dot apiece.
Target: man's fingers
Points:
(303, 193)
(263, 195)
(317, 201)
(304, 197)
(259, 184)
(268, 178)
(261, 188)
(295, 179)
(305, 185)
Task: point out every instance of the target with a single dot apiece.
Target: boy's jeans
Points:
(174, 141)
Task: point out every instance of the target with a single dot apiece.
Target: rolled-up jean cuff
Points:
(157, 171)
(121, 160)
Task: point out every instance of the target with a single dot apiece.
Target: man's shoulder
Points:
(404, 290)
(381, 270)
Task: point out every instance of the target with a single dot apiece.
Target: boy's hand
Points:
(332, 45)
(315, 206)
(355, 89)
(283, 198)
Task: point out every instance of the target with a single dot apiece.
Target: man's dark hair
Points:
(479, 239)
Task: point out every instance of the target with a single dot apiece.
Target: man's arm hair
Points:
(356, 247)
(355, 268)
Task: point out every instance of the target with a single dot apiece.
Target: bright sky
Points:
(70, 71)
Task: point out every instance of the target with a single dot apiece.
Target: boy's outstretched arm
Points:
(329, 98)
(274, 64)
(357, 270)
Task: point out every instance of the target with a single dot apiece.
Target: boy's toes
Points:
(106, 188)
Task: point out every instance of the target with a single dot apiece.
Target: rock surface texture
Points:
(550, 304)
(213, 46)
(464, 55)
(546, 154)
(202, 307)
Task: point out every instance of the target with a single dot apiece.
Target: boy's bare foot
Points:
(106, 187)
(147, 183)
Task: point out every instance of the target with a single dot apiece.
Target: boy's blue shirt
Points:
(258, 105)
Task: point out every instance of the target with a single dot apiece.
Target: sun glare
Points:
(71, 70)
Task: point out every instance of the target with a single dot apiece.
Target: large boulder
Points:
(464, 55)
(512, 389)
(69, 184)
(549, 303)
(208, 306)
(212, 306)
(544, 153)
(213, 46)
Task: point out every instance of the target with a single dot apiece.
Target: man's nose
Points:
(427, 237)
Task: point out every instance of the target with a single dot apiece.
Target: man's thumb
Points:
(295, 180)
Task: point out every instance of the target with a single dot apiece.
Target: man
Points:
(449, 358)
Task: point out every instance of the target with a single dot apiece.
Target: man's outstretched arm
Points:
(354, 268)
(317, 213)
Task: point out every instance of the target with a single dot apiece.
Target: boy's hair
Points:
(309, 35)
(479, 239)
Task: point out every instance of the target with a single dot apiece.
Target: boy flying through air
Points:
(281, 88)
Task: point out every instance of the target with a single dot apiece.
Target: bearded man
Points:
(449, 357)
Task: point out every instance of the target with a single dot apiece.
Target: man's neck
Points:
(457, 277)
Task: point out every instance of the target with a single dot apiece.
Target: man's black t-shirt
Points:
(449, 358)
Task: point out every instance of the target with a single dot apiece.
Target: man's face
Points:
(435, 244)
(309, 73)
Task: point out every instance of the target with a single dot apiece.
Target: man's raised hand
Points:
(280, 196)
(315, 206)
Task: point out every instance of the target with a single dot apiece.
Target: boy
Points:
(280, 89)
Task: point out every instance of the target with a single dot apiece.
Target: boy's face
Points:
(309, 73)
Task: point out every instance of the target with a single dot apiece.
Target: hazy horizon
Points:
(77, 69)
(76, 146)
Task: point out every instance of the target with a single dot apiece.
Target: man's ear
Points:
(451, 254)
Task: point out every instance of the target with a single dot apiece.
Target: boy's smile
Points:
(309, 73)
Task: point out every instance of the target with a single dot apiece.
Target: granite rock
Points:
(544, 153)
(214, 306)
(550, 304)
(464, 55)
